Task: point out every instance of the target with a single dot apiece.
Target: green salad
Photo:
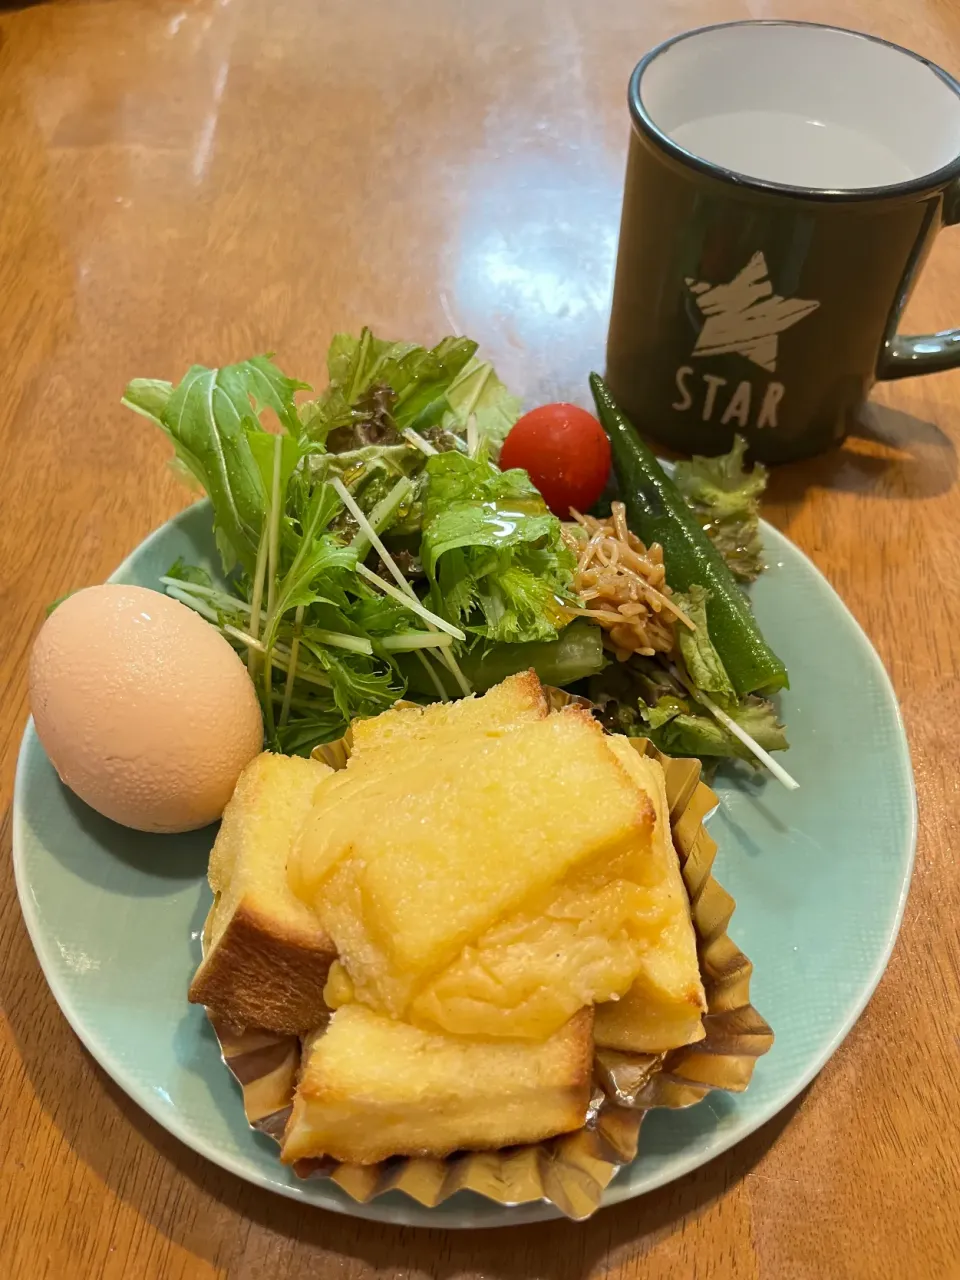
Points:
(373, 549)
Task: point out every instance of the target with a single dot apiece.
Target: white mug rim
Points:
(925, 183)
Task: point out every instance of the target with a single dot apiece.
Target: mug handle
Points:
(907, 356)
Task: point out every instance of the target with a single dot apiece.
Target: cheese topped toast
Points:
(442, 846)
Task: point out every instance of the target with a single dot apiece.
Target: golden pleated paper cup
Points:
(570, 1171)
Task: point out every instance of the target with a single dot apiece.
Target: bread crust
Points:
(263, 973)
(266, 957)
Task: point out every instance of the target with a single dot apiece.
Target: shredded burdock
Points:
(622, 586)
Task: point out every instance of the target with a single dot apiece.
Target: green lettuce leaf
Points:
(308, 727)
(477, 390)
(726, 499)
(261, 381)
(377, 389)
(700, 658)
(149, 397)
(370, 472)
(641, 698)
(264, 446)
(492, 552)
(422, 402)
(305, 581)
(682, 728)
(211, 418)
(350, 360)
(361, 686)
(378, 615)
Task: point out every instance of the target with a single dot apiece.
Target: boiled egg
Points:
(144, 709)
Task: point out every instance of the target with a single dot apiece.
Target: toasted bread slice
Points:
(396, 739)
(371, 1088)
(516, 700)
(456, 838)
(664, 1007)
(266, 955)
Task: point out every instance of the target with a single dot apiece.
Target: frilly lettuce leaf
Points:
(703, 663)
(726, 499)
(378, 388)
(422, 402)
(642, 698)
(491, 550)
(479, 392)
(680, 727)
(370, 472)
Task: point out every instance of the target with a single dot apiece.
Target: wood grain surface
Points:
(190, 180)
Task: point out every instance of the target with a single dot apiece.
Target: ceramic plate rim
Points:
(456, 1217)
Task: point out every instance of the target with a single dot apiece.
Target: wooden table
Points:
(202, 180)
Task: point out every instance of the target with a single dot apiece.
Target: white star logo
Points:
(746, 316)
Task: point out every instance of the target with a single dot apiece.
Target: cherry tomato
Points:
(564, 451)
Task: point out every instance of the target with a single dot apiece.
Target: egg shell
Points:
(144, 709)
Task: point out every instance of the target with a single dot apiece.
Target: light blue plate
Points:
(820, 877)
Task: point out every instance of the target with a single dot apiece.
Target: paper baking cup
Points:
(572, 1170)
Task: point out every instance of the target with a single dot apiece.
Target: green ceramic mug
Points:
(784, 184)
